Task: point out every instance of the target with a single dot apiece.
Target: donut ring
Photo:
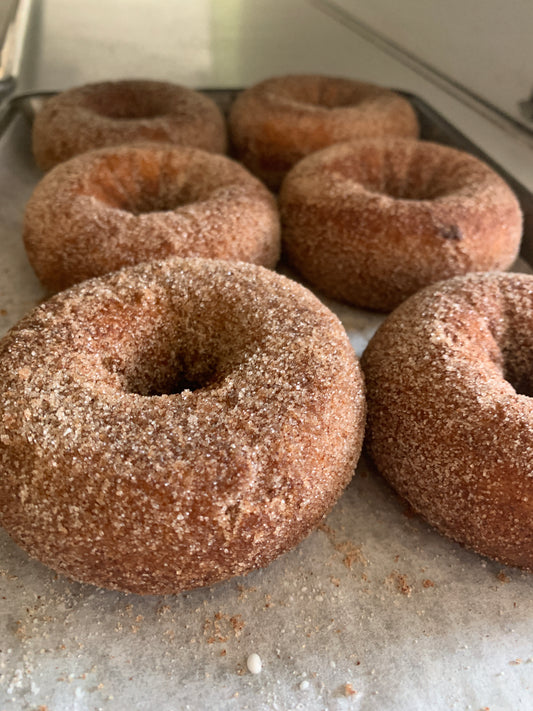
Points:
(174, 424)
(277, 122)
(120, 206)
(371, 222)
(450, 423)
(112, 113)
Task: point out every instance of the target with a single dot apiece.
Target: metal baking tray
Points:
(374, 610)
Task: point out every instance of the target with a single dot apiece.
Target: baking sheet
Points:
(374, 610)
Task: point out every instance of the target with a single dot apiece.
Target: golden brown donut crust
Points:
(371, 222)
(123, 205)
(175, 423)
(280, 120)
(450, 417)
(129, 111)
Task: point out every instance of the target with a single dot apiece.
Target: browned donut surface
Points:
(175, 423)
(371, 222)
(112, 113)
(280, 120)
(123, 205)
(450, 414)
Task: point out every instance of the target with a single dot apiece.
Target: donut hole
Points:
(170, 379)
(136, 187)
(158, 366)
(400, 188)
(143, 203)
(397, 176)
(125, 104)
(522, 386)
(152, 371)
(517, 370)
(327, 93)
(145, 199)
(165, 352)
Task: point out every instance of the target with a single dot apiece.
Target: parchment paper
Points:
(375, 610)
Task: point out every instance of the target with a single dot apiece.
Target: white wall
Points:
(487, 45)
(74, 41)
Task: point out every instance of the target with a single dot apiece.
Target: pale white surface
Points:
(233, 43)
(483, 44)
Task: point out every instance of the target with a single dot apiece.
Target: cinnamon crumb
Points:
(352, 552)
(349, 690)
(409, 512)
(218, 629)
(503, 578)
(400, 581)
(427, 583)
(238, 624)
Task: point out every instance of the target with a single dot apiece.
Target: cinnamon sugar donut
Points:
(450, 417)
(112, 113)
(175, 423)
(280, 120)
(120, 206)
(371, 222)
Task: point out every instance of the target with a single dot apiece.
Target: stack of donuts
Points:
(181, 413)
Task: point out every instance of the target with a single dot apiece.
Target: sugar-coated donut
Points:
(112, 113)
(175, 423)
(371, 222)
(280, 120)
(450, 417)
(127, 204)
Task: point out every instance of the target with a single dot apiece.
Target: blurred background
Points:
(477, 47)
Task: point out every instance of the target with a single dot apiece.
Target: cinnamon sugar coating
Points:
(277, 122)
(450, 414)
(123, 205)
(112, 113)
(371, 222)
(175, 423)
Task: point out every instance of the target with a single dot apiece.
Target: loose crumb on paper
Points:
(399, 581)
(254, 663)
(351, 552)
(222, 626)
(349, 690)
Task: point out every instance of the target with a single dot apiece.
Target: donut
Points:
(371, 222)
(175, 423)
(277, 122)
(122, 205)
(112, 113)
(450, 415)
